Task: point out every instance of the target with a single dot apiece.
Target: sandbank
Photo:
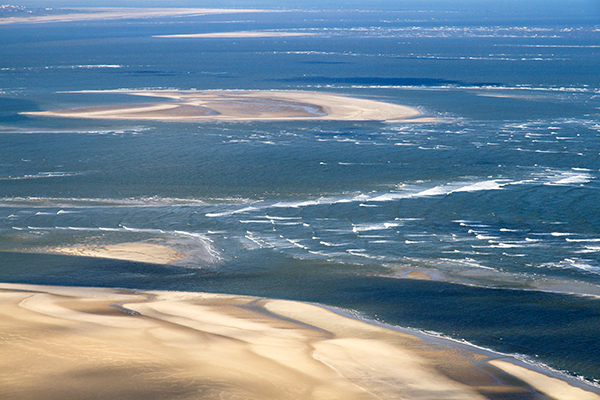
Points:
(418, 275)
(141, 252)
(97, 13)
(242, 34)
(93, 343)
(225, 105)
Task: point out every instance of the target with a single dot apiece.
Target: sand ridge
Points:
(224, 105)
(141, 252)
(108, 13)
(61, 342)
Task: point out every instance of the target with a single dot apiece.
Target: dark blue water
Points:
(498, 203)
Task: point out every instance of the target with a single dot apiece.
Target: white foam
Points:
(503, 245)
(282, 218)
(564, 178)
(485, 185)
(486, 237)
(41, 175)
(576, 264)
(226, 213)
(374, 227)
(296, 242)
(328, 244)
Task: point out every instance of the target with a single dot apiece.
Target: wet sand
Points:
(95, 343)
(246, 106)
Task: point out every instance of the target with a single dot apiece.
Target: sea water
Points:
(497, 202)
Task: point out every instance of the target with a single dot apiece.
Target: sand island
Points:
(110, 13)
(141, 252)
(96, 343)
(224, 105)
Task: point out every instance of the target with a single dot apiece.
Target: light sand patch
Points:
(96, 13)
(551, 387)
(58, 343)
(241, 34)
(141, 252)
(246, 106)
(418, 275)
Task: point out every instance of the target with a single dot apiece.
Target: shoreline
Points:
(186, 344)
(240, 106)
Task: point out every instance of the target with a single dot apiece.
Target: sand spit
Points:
(141, 252)
(93, 343)
(246, 106)
(96, 13)
(242, 34)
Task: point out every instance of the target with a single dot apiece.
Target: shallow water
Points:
(498, 202)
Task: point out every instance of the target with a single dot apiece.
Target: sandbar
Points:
(224, 105)
(97, 343)
(241, 34)
(418, 275)
(99, 13)
(141, 252)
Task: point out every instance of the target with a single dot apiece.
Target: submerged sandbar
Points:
(97, 343)
(223, 105)
(238, 34)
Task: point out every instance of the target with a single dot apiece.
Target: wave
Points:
(41, 175)
(550, 89)
(549, 176)
(451, 31)
(129, 130)
(578, 264)
(79, 202)
(74, 66)
(570, 178)
(374, 227)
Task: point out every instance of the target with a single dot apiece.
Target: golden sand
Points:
(418, 275)
(553, 388)
(92, 343)
(241, 34)
(246, 106)
(141, 252)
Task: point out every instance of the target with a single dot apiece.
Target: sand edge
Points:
(74, 340)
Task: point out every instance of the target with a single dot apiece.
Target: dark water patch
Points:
(323, 62)
(11, 107)
(379, 81)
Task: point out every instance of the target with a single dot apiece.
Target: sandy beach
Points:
(246, 106)
(93, 343)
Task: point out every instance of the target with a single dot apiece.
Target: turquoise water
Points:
(498, 202)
